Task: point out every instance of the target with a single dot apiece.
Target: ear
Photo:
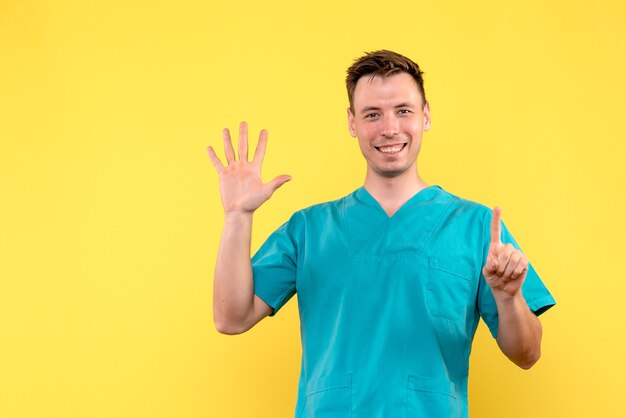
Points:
(351, 123)
(426, 113)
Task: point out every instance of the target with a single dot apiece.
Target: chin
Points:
(390, 173)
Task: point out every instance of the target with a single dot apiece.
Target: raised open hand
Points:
(241, 186)
(506, 267)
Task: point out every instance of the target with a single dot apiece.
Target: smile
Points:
(391, 149)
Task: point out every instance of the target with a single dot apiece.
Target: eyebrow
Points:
(370, 108)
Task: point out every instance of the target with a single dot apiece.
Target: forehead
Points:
(386, 91)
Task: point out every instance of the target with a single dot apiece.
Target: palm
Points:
(241, 186)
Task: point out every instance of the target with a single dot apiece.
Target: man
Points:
(391, 279)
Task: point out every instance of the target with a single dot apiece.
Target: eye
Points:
(404, 111)
(371, 115)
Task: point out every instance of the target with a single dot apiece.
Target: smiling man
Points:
(392, 279)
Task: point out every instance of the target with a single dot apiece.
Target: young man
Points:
(391, 279)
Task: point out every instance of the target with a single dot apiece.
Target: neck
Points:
(392, 192)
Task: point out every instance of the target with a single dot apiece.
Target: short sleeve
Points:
(535, 292)
(274, 266)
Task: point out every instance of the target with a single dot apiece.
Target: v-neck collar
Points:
(373, 233)
(364, 197)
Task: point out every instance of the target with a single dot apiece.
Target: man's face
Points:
(389, 121)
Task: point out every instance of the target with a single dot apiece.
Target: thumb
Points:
(492, 263)
(276, 183)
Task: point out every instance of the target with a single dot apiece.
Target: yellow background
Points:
(110, 214)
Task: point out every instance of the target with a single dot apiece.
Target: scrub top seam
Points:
(435, 225)
(344, 224)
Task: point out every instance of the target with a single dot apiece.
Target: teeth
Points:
(395, 148)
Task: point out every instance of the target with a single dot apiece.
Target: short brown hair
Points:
(382, 63)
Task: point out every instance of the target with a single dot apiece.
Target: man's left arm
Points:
(519, 329)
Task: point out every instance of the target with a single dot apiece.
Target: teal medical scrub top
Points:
(388, 305)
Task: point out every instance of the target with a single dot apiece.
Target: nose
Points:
(390, 126)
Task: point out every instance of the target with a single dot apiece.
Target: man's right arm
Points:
(236, 308)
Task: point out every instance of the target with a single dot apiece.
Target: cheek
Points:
(413, 125)
(369, 130)
(366, 150)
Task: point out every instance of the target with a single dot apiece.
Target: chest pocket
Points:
(449, 290)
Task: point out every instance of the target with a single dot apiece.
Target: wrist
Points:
(505, 297)
(237, 216)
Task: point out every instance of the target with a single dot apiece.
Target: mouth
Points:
(392, 149)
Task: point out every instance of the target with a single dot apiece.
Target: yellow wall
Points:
(110, 213)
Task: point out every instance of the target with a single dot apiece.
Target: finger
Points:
(276, 183)
(217, 163)
(521, 269)
(495, 225)
(259, 153)
(512, 264)
(504, 255)
(228, 147)
(491, 265)
(243, 142)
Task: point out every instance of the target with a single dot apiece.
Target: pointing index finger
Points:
(495, 225)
